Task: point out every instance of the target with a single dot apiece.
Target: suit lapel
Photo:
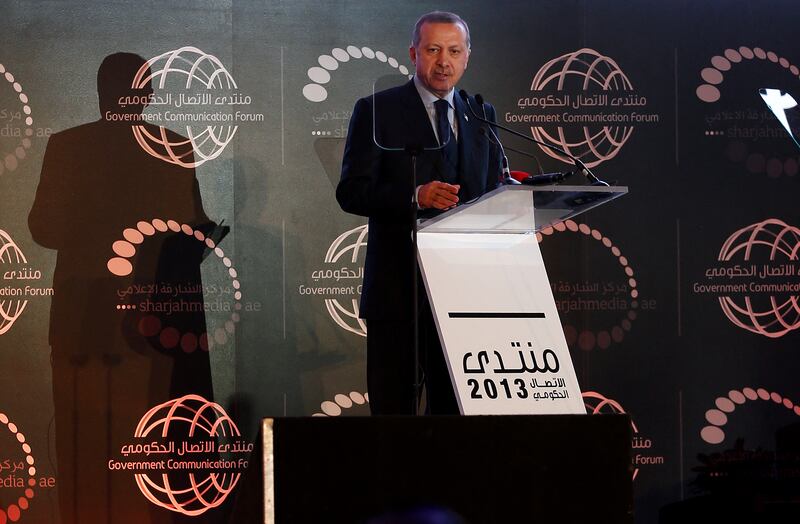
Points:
(419, 130)
(470, 151)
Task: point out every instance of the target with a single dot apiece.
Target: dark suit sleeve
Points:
(50, 220)
(367, 187)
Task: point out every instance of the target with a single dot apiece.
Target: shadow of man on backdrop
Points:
(124, 337)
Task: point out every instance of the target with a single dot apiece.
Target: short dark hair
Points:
(438, 17)
(115, 78)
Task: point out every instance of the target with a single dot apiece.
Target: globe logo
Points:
(193, 416)
(347, 247)
(598, 404)
(766, 314)
(185, 69)
(582, 71)
(10, 308)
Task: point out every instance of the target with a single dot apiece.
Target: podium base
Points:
(494, 469)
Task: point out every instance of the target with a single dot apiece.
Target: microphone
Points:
(540, 180)
(519, 176)
(506, 172)
(505, 176)
(482, 131)
(581, 167)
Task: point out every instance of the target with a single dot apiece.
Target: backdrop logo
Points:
(194, 89)
(584, 103)
(16, 463)
(734, 463)
(746, 121)
(339, 280)
(610, 292)
(354, 402)
(16, 122)
(756, 278)
(714, 76)
(320, 75)
(17, 284)
(597, 404)
(158, 301)
(187, 455)
(717, 417)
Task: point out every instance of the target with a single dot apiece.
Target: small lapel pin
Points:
(466, 118)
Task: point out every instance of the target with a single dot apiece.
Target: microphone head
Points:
(463, 94)
(519, 176)
(479, 98)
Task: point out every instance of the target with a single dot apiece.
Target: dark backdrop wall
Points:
(183, 275)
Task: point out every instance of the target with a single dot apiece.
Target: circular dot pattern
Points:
(14, 511)
(713, 433)
(758, 164)
(10, 161)
(150, 326)
(713, 76)
(315, 92)
(588, 340)
(341, 402)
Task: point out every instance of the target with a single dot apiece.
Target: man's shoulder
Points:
(72, 133)
(391, 93)
(472, 100)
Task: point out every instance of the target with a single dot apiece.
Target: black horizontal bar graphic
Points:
(490, 314)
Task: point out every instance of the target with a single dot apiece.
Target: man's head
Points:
(440, 51)
(114, 78)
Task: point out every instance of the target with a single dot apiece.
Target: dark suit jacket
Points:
(377, 183)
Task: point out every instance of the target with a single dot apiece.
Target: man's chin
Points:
(441, 88)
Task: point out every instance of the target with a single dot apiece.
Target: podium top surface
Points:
(522, 209)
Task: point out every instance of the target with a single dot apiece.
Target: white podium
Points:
(492, 301)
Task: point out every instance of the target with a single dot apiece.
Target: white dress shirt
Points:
(428, 100)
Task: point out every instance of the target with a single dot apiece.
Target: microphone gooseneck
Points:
(505, 177)
(581, 167)
(494, 141)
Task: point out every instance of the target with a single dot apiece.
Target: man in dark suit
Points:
(458, 164)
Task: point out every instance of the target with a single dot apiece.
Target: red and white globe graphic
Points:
(598, 404)
(773, 242)
(10, 308)
(584, 71)
(348, 248)
(194, 417)
(187, 69)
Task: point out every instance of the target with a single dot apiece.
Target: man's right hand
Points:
(438, 195)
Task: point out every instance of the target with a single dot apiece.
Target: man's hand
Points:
(438, 195)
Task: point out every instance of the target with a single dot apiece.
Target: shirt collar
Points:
(429, 98)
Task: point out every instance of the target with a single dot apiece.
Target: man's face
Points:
(441, 56)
